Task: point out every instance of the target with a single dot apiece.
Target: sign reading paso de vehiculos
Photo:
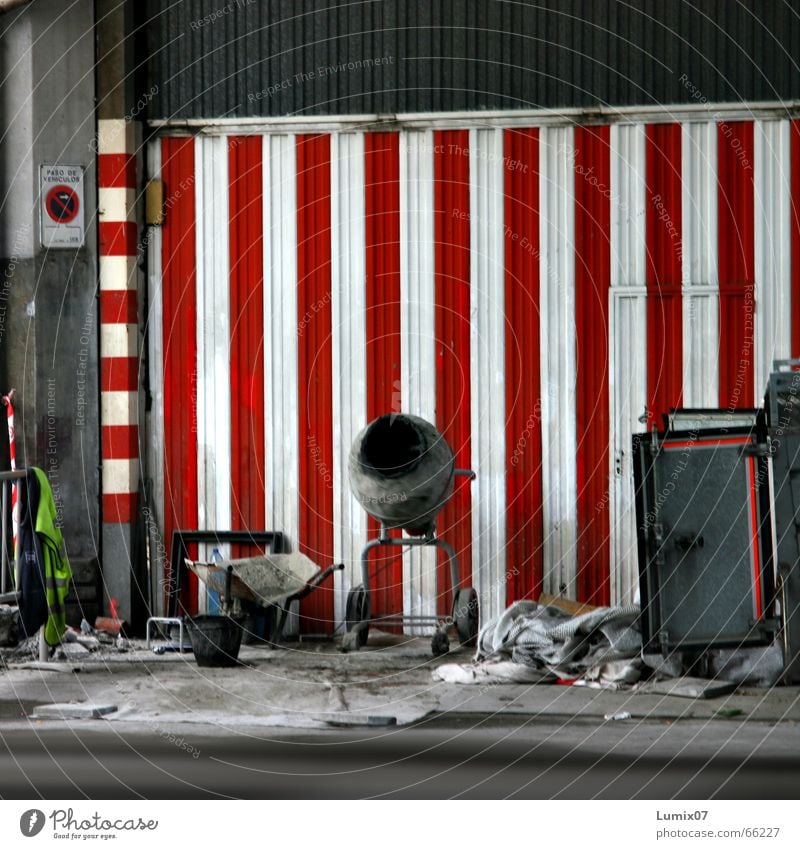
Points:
(61, 193)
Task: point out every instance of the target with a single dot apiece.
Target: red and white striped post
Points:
(12, 454)
(119, 348)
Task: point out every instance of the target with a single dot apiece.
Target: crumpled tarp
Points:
(537, 643)
(601, 646)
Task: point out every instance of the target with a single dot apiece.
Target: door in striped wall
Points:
(540, 294)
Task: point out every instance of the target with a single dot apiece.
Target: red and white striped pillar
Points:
(119, 350)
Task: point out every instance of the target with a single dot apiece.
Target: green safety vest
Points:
(56, 563)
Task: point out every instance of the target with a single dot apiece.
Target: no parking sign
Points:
(62, 206)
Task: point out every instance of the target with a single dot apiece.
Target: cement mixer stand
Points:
(464, 610)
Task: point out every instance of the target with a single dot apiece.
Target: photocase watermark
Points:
(672, 230)
(651, 516)
(85, 340)
(725, 127)
(321, 72)
(319, 462)
(309, 314)
(134, 112)
(66, 824)
(152, 531)
(456, 149)
(388, 498)
(746, 351)
(193, 399)
(787, 413)
(524, 437)
(8, 276)
(223, 11)
(51, 452)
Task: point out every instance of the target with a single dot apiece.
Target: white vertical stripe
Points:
(281, 451)
(213, 338)
(487, 355)
(628, 200)
(628, 395)
(418, 334)
(700, 267)
(628, 328)
(155, 350)
(348, 306)
(558, 367)
(772, 190)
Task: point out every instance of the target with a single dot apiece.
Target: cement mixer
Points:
(402, 472)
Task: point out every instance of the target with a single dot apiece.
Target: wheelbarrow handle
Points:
(315, 582)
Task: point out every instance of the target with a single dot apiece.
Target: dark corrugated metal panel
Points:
(272, 58)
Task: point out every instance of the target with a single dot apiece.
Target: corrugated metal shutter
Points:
(209, 59)
(541, 294)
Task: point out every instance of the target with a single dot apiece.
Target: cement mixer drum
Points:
(402, 471)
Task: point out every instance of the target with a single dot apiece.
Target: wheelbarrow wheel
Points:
(357, 612)
(465, 616)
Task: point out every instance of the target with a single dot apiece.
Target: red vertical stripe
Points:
(795, 236)
(664, 272)
(452, 272)
(180, 346)
(315, 369)
(247, 334)
(523, 399)
(382, 209)
(736, 260)
(592, 284)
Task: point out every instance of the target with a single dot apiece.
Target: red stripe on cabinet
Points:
(180, 348)
(315, 369)
(382, 227)
(664, 270)
(736, 252)
(246, 335)
(522, 358)
(592, 285)
(452, 276)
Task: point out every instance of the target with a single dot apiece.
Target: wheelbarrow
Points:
(268, 581)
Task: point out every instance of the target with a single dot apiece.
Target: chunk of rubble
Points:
(8, 625)
(71, 651)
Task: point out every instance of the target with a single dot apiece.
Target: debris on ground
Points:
(601, 647)
(688, 687)
(71, 651)
(9, 618)
(73, 710)
(620, 716)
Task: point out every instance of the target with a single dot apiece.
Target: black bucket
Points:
(215, 640)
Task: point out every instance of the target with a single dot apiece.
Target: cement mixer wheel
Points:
(465, 616)
(357, 611)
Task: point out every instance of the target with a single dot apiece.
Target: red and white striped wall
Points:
(119, 324)
(539, 293)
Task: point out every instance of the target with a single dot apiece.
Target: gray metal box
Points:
(705, 549)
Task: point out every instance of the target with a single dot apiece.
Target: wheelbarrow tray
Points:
(264, 579)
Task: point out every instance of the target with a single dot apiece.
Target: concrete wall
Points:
(48, 303)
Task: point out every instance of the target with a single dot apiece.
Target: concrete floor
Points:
(287, 720)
